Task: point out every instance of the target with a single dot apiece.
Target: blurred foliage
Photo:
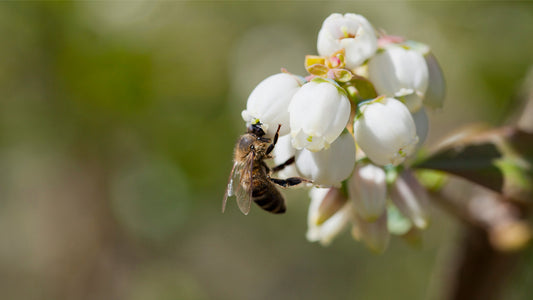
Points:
(499, 159)
(117, 124)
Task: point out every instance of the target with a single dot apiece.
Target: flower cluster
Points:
(351, 123)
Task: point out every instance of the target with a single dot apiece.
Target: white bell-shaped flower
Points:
(319, 112)
(436, 90)
(328, 230)
(411, 199)
(350, 32)
(367, 189)
(328, 167)
(385, 131)
(282, 152)
(269, 101)
(333, 201)
(401, 73)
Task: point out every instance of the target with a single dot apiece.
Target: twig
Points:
(493, 231)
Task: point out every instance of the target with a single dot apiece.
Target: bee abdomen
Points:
(270, 201)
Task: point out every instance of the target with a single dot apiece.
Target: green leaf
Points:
(517, 164)
(474, 162)
(432, 180)
(500, 159)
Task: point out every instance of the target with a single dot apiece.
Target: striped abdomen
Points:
(269, 199)
(266, 195)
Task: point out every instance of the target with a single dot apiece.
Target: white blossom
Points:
(436, 90)
(350, 32)
(400, 72)
(411, 199)
(282, 152)
(385, 131)
(367, 189)
(332, 202)
(269, 101)
(319, 111)
(328, 230)
(328, 167)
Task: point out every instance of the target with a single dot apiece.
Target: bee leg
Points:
(267, 169)
(288, 162)
(271, 147)
(289, 181)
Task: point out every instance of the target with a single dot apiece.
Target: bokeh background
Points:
(117, 125)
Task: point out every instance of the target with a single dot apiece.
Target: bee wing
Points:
(230, 190)
(244, 189)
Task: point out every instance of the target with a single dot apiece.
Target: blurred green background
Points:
(117, 126)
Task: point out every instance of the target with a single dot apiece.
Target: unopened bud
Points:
(333, 201)
(367, 189)
(329, 229)
(411, 199)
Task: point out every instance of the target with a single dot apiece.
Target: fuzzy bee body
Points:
(264, 193)
(250, 177)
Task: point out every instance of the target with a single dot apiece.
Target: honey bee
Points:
(250, 176)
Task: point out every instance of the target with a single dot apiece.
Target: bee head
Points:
(246, 143)
(256, 129)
